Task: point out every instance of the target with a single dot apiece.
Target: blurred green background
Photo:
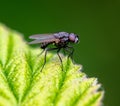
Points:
(97, 23)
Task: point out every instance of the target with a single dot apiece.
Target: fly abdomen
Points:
(44, 45)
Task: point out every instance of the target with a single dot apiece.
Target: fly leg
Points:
(41, 52)
(60, 57)
(70, 49)
(46, 50)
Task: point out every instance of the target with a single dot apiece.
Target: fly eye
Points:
(72, 37)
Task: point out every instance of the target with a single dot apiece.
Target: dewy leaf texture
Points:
(23, 84)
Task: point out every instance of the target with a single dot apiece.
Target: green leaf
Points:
(23, 84)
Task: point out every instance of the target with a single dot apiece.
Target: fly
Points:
(61, 40)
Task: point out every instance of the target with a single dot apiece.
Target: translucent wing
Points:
(42, 41)
(41, 38)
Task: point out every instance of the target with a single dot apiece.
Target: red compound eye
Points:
(72, 37)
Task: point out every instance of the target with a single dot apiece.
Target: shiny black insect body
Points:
(60, 40)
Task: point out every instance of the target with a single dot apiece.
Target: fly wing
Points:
(41, 38)
(42, 41)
